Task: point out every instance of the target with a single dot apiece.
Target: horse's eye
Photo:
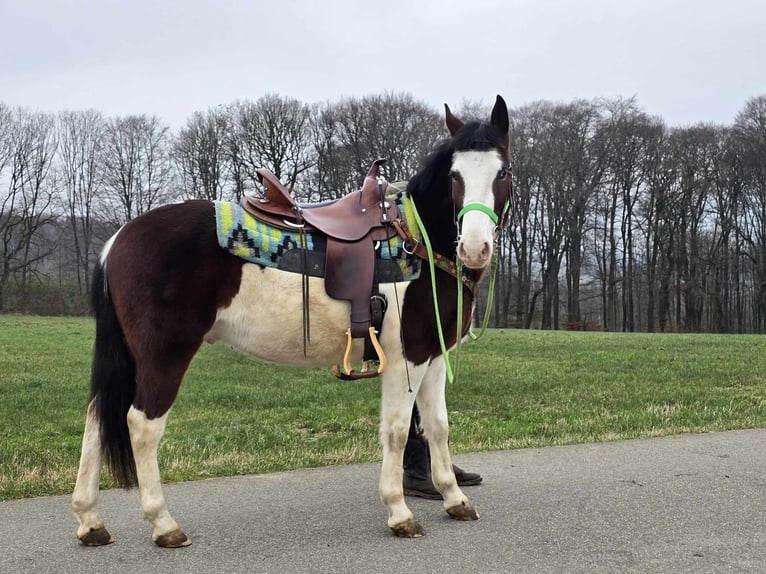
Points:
(454, 175)
(502, 173)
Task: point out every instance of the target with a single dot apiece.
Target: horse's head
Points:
(480, 177)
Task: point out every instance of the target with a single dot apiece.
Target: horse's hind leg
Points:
(145, 435)
(91, 531)
(433, 419)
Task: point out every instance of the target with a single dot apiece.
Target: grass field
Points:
(515, 389)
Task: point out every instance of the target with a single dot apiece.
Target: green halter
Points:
(484, 209)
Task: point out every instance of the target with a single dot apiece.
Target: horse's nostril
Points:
(474, 255)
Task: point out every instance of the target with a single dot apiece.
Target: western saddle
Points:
(352, 226)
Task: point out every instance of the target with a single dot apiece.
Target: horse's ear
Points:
(500, 116)
(453, 123)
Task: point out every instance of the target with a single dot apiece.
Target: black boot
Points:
(417, 470)
(466, 478)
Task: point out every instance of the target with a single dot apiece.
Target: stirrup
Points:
(348, 373)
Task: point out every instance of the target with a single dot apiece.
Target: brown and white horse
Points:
(163, 286)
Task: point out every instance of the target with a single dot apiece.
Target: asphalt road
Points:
(691, 503)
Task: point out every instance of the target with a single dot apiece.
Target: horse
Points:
(163, 286)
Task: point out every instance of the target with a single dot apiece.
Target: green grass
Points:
(515, 389)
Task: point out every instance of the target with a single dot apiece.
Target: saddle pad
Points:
(243, 235)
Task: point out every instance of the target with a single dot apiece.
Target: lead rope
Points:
(431, 266)
(490, 292)
(487, 309)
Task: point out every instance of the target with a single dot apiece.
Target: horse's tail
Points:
(113, 382)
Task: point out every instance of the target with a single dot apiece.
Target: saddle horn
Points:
(375, 167)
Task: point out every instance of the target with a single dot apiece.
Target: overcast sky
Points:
(685, 60)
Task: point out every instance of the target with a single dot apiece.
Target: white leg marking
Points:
(395, 413)
(433, 419)
(85, 495)
(145, 435)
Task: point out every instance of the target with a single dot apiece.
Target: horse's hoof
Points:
(408, 529)
(173, 539)
(463, 511)
(96, 537)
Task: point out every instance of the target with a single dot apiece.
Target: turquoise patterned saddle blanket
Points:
(268, 246)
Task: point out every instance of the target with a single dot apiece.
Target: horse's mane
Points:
(429, 188)
(478, 136)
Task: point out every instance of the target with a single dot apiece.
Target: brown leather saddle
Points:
(352, 225)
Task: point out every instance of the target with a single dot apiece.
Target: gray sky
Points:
(685, 60)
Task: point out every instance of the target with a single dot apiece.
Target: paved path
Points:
(692, 503)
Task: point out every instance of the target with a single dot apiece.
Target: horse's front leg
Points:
(433, 419)
(395, 413)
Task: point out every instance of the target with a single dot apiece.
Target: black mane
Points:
(478, 136)
(430, 190)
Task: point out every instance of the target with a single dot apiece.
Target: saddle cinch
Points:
(352, 226)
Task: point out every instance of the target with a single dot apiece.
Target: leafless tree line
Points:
(624, 223)
(619, 221)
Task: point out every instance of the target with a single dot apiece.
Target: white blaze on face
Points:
(478, 170)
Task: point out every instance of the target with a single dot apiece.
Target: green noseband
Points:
(484, 209)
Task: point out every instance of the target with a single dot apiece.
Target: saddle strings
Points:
(401, 331)
(304, 283)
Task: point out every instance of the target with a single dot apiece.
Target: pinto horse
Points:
(163, 286)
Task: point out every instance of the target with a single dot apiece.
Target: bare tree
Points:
(201, 156)
(658, 215)
(695, 151)
(30, 137)
(750, 132)
(136, 166)
(348, 136)
(727, 183)
(272, 133)
(525, 129)
(331, 175)
(585, 158)
(6, 124)
(80, 135)
(559, 183)
(391, 125)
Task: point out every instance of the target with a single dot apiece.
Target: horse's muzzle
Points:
(474, 254)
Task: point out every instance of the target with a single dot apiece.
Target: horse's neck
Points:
(438, 225)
